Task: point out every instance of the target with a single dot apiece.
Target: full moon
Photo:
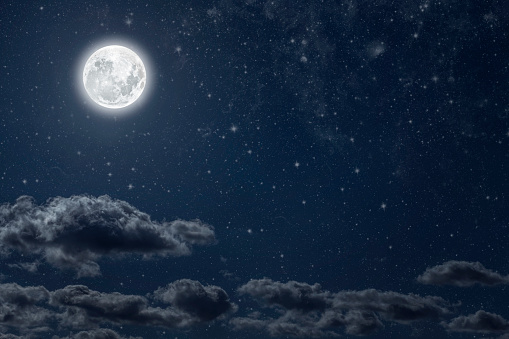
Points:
(114, 76)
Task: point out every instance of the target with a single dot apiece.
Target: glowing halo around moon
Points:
(113, 77)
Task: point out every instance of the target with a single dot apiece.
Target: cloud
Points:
(290, 295)
(31, 267)
(100, 333)
(462, 274)
(75, 232)
(402, 308)
(290, 324)
(308, 311)
(294, 328)
(203, 302)
(356, 322)
(246, 323)
(180, 304)
(96, 307)
(191, 303)
(480, 322)
(23, 308)
(23, 297)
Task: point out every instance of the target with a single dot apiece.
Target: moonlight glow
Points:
(114, 77)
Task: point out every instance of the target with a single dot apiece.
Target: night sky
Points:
(294, 169)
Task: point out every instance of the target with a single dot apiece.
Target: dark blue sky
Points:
(359, 145)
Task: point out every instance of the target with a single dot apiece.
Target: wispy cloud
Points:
(462, 274)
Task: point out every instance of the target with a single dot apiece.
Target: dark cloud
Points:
(183, 303)
(356, 322)
(191, 303)
(292, 328)
(31, 267)
(75, 232)
(23, 297)
(245, 323)
(480, 322)
(309, 312)
(290, 324)
(21, 307)
(100, 333)
(203, 302)
(290, 295)
(99, 307)
(461, 273)
(362, 323)
(393, 306)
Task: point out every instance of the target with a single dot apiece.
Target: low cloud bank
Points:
(308, 311)
(183, 303)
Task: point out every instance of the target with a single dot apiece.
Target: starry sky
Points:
(294, 169)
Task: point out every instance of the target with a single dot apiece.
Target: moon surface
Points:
(114, 76)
